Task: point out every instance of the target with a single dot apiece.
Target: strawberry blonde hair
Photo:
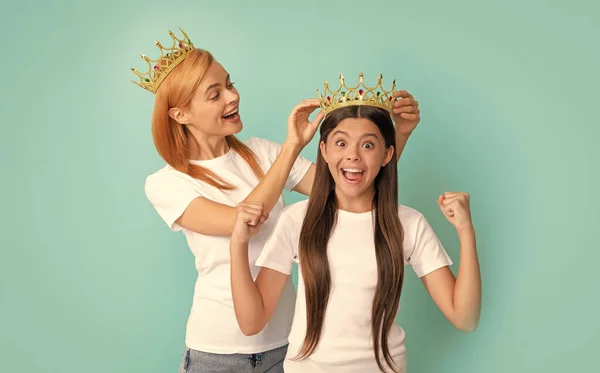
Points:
(171, 138)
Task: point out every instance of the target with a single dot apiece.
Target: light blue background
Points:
(91, 280)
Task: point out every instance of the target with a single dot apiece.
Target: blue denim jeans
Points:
(203, 362)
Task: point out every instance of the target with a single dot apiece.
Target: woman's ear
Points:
(178, 115)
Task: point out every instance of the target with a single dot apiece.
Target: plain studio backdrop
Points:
(92, 280)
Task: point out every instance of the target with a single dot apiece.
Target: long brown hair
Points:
(171, 138)
(317, 227)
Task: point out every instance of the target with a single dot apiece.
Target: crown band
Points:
(359, 95)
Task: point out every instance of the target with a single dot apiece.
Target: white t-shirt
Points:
(212, 325)
(346, 342)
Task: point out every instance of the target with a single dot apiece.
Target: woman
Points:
(208, 173)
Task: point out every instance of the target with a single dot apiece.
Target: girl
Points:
(351, 240)
(208, 173)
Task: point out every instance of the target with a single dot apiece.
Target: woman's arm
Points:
(406, 116)
(211, 218)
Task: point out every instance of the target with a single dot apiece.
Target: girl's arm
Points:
(253, 302)
(459, 298)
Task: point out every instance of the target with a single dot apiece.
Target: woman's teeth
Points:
(231, 114)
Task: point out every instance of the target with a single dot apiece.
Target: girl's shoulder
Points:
(408, 212)
(409, 216)
(295, 212)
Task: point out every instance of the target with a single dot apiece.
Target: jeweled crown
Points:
(169, 58)
(358, 95)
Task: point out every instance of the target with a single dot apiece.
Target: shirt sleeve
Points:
(428, 253)
(272, 149)
(281, 249)
(170, 194)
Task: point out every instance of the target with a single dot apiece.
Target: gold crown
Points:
(169, 58)
(359, 95)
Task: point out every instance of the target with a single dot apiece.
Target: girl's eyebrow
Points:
(346, 133)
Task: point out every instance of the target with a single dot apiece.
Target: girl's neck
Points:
(203, 148)
(358, 204)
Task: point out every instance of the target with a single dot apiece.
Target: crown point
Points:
(151, 79)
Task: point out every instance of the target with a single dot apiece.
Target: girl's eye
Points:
(215, 97)
(230, 85)
(368, 145)
(340, 143)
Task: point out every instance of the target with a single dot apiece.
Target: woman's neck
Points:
(203, 148)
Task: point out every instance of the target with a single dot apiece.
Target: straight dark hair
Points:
(317, 227)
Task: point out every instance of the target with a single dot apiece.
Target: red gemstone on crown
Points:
(180, 45)
(360, 92)
(156, 67)
(328, 98)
